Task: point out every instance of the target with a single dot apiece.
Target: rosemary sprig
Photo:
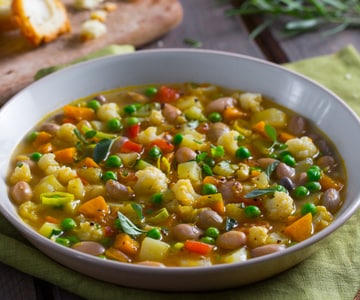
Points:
(303, 15)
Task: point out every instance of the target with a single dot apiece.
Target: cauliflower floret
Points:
(21, 172)
(150, 180)
(108, 111)
(29, 211)
(301, 148)
(89, 231)
(66, 133)
(257, 236)
(184, 192)
(99, 15)
(87, 4)
(322, 218)
(156, 117)
(48, 163)
(279, 207)
(65, 174)
(229, 140)
(250, 101)
(148, 135)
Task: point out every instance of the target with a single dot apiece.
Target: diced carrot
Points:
(126, 244)
(259, 127)
(42, 137)
(88, 162)
(212, 180)
(45, 148)
(233, 113)
(285, 136)
(130, 146)
(327, 182)
(214, 201)
(164, 146)
(79, 113)
(95, 208)
(51, 219)
(197, 247)
(65, 156)
(301, 229)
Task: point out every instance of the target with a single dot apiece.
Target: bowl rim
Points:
(29, 232)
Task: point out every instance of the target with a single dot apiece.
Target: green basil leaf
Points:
(102, 149)
(259, 192)
(230, 223)
(138, 210)
(129, 227)
(271, 168)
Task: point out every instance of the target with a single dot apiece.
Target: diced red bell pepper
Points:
(166, 94)
(130, 146)
(133, 131)
(164, 146)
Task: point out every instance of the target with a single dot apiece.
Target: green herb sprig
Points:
(304, 15)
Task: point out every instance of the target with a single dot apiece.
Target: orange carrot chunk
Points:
(126, 244)
(65, 156)
(79, 113)
(301, 229)
(198, 247)
(95, 208)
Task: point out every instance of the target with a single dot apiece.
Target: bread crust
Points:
(41, 31)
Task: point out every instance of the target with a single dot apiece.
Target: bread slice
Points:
(6, 20)
(41, 21)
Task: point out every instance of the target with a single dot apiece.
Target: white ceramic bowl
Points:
(176, 66)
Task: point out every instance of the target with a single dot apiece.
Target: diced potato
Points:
(153, 250)
(271, 116)
(190, 170)
(194, 113)
(187, 102)
(66, 133)
(47, 229)
(225, 168)
(236, 256)
(261, 181)
(229, 140)
(76, 187)
(46, 185)
(91, 175)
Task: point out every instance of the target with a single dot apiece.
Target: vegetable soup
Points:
(176, 175)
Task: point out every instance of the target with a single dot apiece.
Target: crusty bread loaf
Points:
(41, 21)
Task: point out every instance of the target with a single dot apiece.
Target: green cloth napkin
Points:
(331, 273)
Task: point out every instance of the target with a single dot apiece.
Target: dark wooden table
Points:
(204, 21)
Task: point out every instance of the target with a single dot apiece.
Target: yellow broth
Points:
(176, 175)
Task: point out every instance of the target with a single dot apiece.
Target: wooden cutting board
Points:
(134, 22)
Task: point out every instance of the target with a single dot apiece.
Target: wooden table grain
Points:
(204, 21)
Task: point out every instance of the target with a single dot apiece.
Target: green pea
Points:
(209, 161)
(94, 104)
(242, 152)
(130, 109)
(109, 175)
(157, 198)
(177, 139)
(151, 91)
(68, 224)
(313, 186)
(114, 125)
(113, 161)
(35, 156)
(209, 188)
(208, 240)
(132, 121)
(313, 173)
(155, 152)
(280, 188)
(301, 191)
(154, 233)
(252, 211)
(212, 232)
(289, 160)
(215, 117)
(309, 208)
